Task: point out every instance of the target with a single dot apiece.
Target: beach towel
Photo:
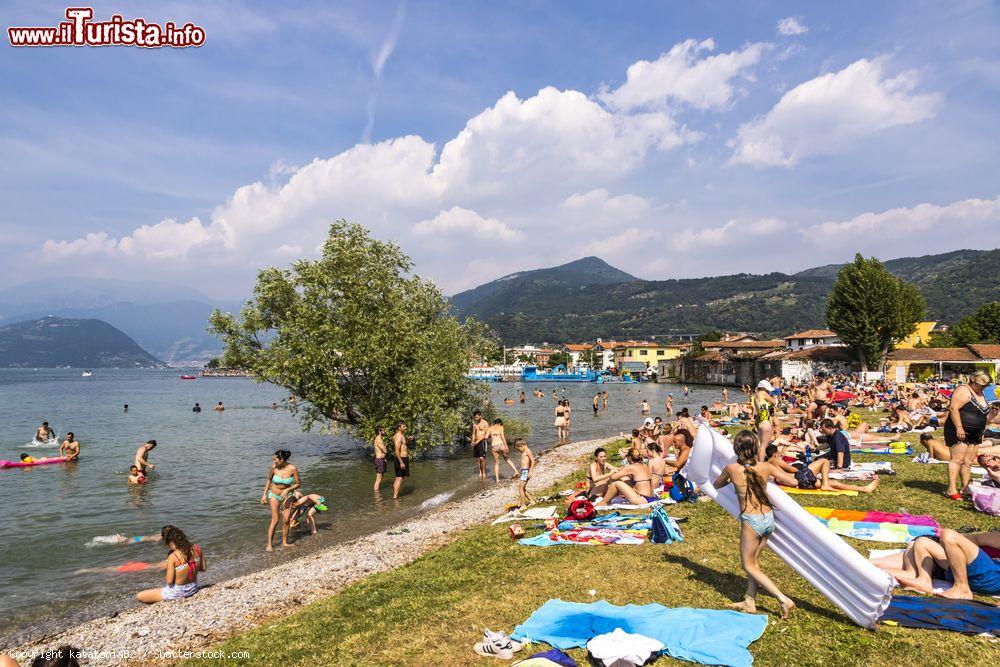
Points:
(532, 513)
(863, 471)
(879, 532)
(817, 492)
(708, 636)
(625, 505)
(873, 516)
(936, 613)
(882, 450)
(585, 537)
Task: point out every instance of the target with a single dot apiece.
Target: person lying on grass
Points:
(804, 476)
(749, 478)
(634, 482)
(955, 557)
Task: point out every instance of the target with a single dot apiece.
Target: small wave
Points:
(436, 500)
(33, 444)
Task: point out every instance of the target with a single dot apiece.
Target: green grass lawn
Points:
(431, 611)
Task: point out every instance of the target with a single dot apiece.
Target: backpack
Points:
(682, 489)
(663, 529)
(582, 509)
(986, 499)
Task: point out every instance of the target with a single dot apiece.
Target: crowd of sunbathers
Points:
(803, 432)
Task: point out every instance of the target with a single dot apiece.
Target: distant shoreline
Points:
(141, 634)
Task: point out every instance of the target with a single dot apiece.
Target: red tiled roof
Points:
(819, 353)
(986, 351)
(957, 354)
(578, 347)
(743, 345)
(812, 333)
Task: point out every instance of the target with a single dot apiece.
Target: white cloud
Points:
(924, 228)
(599, 202)
(465, 223)
(829, 113)
(625, 245)
(680, 76)
(733, 232)
(286, 250)
(167, 239)
(791, 25)
(92, 244)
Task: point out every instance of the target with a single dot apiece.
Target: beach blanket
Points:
(613, 521)
(816, 492)
(551, 658)
(873, 516)
(936, 613)
(707, 636)
(585, 537)
(878, 531)
(530, 514)
(621, 504)
(882, 450)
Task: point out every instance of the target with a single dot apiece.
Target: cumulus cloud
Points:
(91, 244)
(791, 25)
(918, 228)
(167, 239)
(458, 221)
(832, 111)
(681, 76)
(733, 232)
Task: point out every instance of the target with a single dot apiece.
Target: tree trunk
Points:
(863, 360)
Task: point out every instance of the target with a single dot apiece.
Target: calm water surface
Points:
(210, 471)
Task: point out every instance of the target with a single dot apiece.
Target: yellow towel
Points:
(817, 492)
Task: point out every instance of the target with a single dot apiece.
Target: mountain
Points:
(523, 308)
(168, 320)
(578, 274)
(55, 341)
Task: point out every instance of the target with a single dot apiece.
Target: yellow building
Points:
(921, 335)
(650, 354)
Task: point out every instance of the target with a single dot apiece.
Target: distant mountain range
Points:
(589, 298)
(168, 320)
(52, 342)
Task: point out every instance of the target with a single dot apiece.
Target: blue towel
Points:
(935, 613)
(707, 636)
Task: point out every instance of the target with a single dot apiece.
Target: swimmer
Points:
(136, 476)
(219, 407)
(124, 568)
(142, 457)
(118, 538)
(44, 433)
(25, 458)
(70, 447)
(125, 408)
(196, 408)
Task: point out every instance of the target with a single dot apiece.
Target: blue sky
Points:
(671, 139)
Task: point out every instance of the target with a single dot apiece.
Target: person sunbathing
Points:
(599, 473)
(804, 476)
(959, 556)
(682, 442)
(634, 482)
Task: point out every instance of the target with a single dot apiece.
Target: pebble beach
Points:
(161, 633)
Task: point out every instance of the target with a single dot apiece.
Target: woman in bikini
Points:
(282, 480)
(498, 444)
(749, 478)
(599, 473)
(184, 562)
(638, 490)
(560, 422)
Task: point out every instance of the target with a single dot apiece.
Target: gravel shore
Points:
(149, 635)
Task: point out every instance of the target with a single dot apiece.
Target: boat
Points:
(485, 374)
(557, 374)
(189, 377)
(86, 374)
(607, 378)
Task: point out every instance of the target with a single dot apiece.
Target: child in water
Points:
(136, 476)
(749, 477)
(528, 462)
(26, 459)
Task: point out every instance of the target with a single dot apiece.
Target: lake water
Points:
(210, 471)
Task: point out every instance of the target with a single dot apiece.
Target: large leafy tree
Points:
(983, 326)
(358, 340)
(870, 309)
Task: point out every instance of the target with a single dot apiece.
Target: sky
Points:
(671, 139)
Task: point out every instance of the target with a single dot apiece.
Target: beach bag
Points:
(582, 509)
(682, 489)
(986, 499)
(663, 529)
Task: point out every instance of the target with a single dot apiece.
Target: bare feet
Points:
(285, 544)
(956, 593)
(872, 486)
(786, 607)
(912, 583)
(269, 548)
(747, 605)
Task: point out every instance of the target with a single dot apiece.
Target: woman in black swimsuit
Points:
(963, 431)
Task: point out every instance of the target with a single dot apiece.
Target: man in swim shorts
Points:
(70, 447)
(380, 456)
(401, 462)
(480, 441)
(44, 433)
(142, 457)
(965, 563)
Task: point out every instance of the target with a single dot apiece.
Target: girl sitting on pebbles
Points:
(184, 562)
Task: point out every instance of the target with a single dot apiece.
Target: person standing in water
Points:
(70, 448)
(480, 443)
(282, 480)
(749, 478)
(522, 396)
(381, 460)
(142, 457)
(44, 433)
(597, 402)
(401, 464)
(669, 405)
(219, 407)
(604, 398)
(498, 443)
(196, 408)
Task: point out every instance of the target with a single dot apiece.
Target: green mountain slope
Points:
(529, 306)
(54, 341)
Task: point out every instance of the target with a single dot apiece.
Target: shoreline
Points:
(144, 634)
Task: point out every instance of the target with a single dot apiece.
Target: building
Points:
(737, 346)
(920, 336)
(806, 363)
(604, 354)
(812, 338)
(647, 353)
(944, 362)
(576, 352)
(536, 355)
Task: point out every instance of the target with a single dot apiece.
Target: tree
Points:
(870, 309)
(560, 357)
(213, 363)
(358, 340)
